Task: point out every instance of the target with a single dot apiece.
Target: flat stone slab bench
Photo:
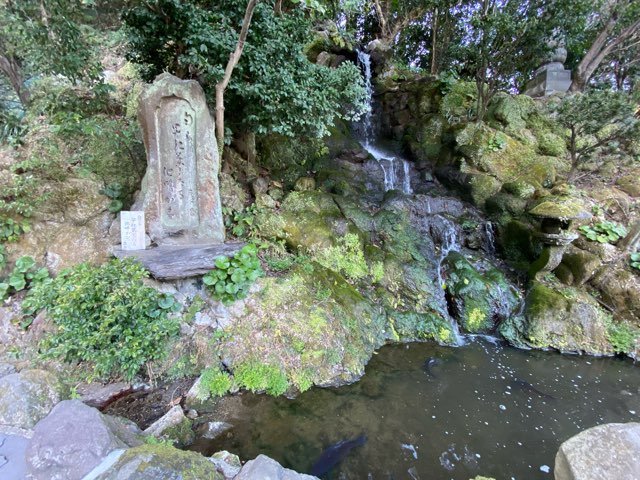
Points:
(176, 262)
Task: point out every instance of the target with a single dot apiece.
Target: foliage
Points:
(259, 377)
(24, 275)
(604, 232)
(274, 88)
(105, 315)
(231, 279)
(213, 382)
(240, 222)
(12, 129)
(3, 257)
(11, 229)
(635, 260)
(597, 122)
(48, 37)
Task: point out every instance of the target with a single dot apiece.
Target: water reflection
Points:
(480, 409)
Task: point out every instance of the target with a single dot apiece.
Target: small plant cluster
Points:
(231, 278)
(213, 383)
(11, 229)
(604, 232)
(240, 222)
(635, 260)
(498, 142)
(114, 192)
(106, 316)
(24, 275)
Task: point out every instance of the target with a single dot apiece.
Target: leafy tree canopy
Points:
(274, 88)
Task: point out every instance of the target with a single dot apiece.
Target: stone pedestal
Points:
(180, 194)
(549, 79)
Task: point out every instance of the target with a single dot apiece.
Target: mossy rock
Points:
(520, 189)
(424, 138)
(566, 319)
(308, 327)
(160, 462)
(512, 111)
(491, 151)
(504, 203)
(312, 220)
(581, 264)
(480, 295)
(483, 187)
(552, 144)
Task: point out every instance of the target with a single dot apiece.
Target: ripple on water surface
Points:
(479, 409)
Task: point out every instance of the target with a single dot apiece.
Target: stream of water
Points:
(396, 169)
(484, 409)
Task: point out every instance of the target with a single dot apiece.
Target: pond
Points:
(434, 412)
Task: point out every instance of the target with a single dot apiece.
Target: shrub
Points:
(106, 316)
(634, 260)
(232, 277)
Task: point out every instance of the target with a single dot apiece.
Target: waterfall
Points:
(389, 162)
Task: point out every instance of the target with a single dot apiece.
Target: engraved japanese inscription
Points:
(176, 153)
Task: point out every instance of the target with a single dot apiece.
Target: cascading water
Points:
(389, 163)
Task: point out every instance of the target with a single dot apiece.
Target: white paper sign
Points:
(132, 230)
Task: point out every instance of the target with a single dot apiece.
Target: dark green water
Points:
(473, 415)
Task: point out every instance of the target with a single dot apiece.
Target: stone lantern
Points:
(557, 230)
(551, 77)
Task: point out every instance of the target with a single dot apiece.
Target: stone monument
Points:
(179, 196)
(551, 77)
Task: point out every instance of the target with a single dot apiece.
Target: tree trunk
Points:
(11, 68)
(231, 64)
(434, 35)
(602, 46)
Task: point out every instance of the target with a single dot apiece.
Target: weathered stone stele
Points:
(180, 194)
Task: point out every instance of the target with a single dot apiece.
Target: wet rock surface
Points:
(604, 452)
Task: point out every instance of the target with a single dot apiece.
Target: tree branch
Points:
(234, 58)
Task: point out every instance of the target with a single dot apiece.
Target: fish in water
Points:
(430, 364)
(528, 388)
(335, 454)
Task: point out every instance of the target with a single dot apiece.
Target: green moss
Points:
(512, 111)
(346, 258)
(562, 208)
(147, 461)
(623, 337)
(182, 434)
(483, 187)
(552, 144)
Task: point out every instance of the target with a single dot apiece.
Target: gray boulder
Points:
(226, 463)
(605, 452)
(28, 396)
(73, 439)
(265, 468)
(12, 449)
(160, 462)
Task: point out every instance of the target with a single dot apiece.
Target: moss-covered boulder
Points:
(459, 104)
(512, 111)
(312, 219)
(578, 266)
(620, 289)
(566, 319)
(307, 327)
(479, 295)
(160, 462)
